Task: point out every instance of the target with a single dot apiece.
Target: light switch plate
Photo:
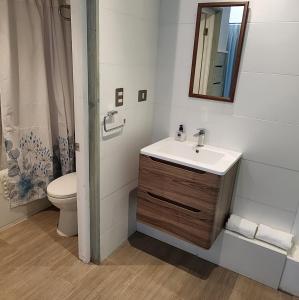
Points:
(119, 97)
(142, 95)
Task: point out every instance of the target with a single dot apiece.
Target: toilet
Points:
(62, 193)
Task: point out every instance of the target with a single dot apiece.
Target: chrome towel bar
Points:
(108, 116)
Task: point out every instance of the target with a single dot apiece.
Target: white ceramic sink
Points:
(210, 159)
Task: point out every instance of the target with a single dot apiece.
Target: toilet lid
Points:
(63, 187)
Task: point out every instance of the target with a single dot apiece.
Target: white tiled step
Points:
(289, 281)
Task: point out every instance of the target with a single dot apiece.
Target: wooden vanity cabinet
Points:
(190, 204)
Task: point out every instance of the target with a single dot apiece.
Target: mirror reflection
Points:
(218, 37)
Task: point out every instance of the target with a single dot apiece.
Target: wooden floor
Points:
(37, 264)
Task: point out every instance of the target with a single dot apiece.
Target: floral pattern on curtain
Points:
(29, 169)
(64, 156)
(31, 166)
(36, 91)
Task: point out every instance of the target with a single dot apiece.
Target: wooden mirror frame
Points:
(238, 52)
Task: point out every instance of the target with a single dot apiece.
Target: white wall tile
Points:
(263, 214)
(176, 45)
(113, 238)
(169, 12)
(14, 215)
(184, 11)
(270, 97)
(131, 79)
(289, 280)
(146, 9)
(132, 7)
(164, 84)
(118, 171)
(161, 121)
(115, 207)
(179, 11)
(128, 56)
(185, 43)
(271, 48)
(120, 153)
(260, 11)
(113, 77)
(251, 259)
(135, 134)
(151, 10)
(188, 11)
(295, 229)
(117, 39)
(269, 185)
(129, 40)
(260, 141)
(167, 45)
(274, 11)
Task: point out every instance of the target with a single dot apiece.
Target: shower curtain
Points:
(36, 91)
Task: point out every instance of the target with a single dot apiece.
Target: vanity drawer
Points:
(183, 185)
(182, 221)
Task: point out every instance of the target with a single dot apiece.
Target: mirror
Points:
(219, 36)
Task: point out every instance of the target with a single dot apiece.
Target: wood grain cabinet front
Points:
(188, 203)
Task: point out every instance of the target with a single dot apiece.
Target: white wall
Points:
(10, 216)
(263, 122)
(128, 53)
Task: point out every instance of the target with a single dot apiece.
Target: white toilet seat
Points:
(62, 193)
(63, 187)
(64, 203)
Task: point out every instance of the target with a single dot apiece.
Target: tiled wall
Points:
(10, 216)
(128, 54)
(263, 122)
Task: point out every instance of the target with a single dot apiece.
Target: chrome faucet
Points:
(201, 137)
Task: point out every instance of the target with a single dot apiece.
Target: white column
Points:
(80, 70)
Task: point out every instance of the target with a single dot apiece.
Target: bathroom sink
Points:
(207, 158)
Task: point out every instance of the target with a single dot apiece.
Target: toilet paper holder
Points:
(108, 116)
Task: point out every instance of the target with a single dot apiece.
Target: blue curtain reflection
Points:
(233, 38)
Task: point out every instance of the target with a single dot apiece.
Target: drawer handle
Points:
(173, 202)
(176, 165)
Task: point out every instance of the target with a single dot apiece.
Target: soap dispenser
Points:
(180, 134)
